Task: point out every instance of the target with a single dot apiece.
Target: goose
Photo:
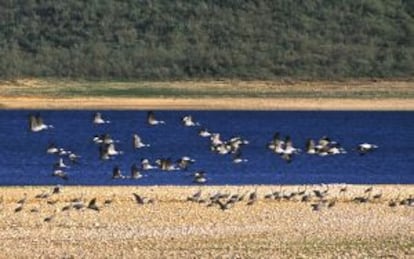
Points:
(276, 143)
(188, 121)
(112, 150)
(204, 133)
(199, 177)
(23, 200)
(184, 162)
(366, 148)
(103, 139)
(140, 200)
(137, 142)
(42, 195)
(289, 149)
(92, 205)
(60, 164)
(146, 165)
(74, 158)
(135, 174)
(221, 149)
(215, 139)
(310, 147)
(52, 149)
(60, 173)
(195, 197)
(237, 159)
(109, 200)
(236, 143)
(224, 206)
(64, 152)
(152, 120)
(252, 198)
(166, 164)
(103, 152)
(116, 173)
(57, 189)
(336, 150)
(49, 218)
(36, 123)
(97, 119)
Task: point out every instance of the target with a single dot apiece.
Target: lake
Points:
(24, 160)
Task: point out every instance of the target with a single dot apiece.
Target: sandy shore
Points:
(95, 103)
(172, 226)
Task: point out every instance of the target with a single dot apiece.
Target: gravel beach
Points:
(316, 221)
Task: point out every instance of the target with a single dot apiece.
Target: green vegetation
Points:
(209, 89)
(210, 39)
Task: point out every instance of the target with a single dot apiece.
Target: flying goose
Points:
(36, 123)
(184, 162)
(151, 120)
(52, 149)
(111, 150)
(135, 174)
(97, 119)
(204, 133)
(60, 173)
(166, 164)
(116, 173)
(366, 148)
(146, 165)
(137, 142)
(60, 164)
(237, 159)
(199, 177)
(188, 121)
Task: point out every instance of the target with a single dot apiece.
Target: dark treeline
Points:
(184, 39)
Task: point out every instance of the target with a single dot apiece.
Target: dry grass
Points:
(173, 226)
(201, 95)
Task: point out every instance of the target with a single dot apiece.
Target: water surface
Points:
(24, 161)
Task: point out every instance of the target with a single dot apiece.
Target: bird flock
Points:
(317, 198)
(107, 148)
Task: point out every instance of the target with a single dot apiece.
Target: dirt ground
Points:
(173, 226)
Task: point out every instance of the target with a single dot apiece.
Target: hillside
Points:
(209, 39)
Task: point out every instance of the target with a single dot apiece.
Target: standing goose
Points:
(252, 198)
(92, 205)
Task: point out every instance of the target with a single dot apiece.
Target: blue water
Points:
(24, 161)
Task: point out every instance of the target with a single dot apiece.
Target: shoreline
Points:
(118, 103)
(173, 226)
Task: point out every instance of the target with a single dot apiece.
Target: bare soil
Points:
(172, 226)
